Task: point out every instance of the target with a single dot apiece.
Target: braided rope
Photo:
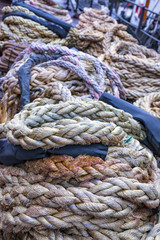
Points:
(10, 50)
(116, 187)
(41, 48)
(60, 13)
(24, 28)
(42, 30)
(82, 74)
(77, 123)
(9, 9)
(94, 22)
(137, 67)
(150, 103)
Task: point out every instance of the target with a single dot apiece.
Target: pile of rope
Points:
(62, 197)
(150, 103)
(137, 66)
(52, 8)
(73, 74)
(97, 32)
(81, 198)
(19, 29)
(10, 50)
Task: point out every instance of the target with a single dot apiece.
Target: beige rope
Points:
(19, 29)
(9, 9)
(85, 122)
(60, 13)
(46, 82)
(150, 103)
(84, 197)
(137, 67)
(10, 50)
(97, 22)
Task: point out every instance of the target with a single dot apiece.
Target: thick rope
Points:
(55, 191)
(82, 74)
(83, 198)
(100, 27)
(150, 103)
(137, 66)
(10, 51)
(83, 122)
(53, 9)
(24, 29)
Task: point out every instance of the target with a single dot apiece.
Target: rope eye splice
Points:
(73, 69)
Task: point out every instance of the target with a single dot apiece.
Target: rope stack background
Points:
(85, 197)
(98, 31)
(101, 36)
(74, 74)
(53, 8)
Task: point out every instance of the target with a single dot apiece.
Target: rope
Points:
(84, 122)
(150, 103)
(137, 66)
(10, 50)
(49, 194)
(53, 9)
(20, 29)
(82, 75)
(61, 197)
(97, 22)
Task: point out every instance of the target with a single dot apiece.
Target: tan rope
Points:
(84, 197)
(10, 50)
(150, 103)
(86, 122)
(9, 9)
(19, 29)
(46, 82)
(60, 13)
(97, 22)
(137, 67)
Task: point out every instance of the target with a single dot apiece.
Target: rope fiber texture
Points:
(81, 122)
(19, 29)
(73, 74)
(53, 9)
(83, 198)
(137, 66)
(96, 32)
(150, 103)
(10, 51)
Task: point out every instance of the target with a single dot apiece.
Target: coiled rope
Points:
(97, 22)
(10, 50)
(53, 9)
(150, 103)
(85, 121)
(93, 77)
(19, 29)
(83, 198)
(109, 199)
(137, 66)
